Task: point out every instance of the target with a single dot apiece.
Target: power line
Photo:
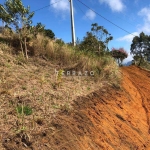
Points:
(106, 18)
(86, 16)
(47, 6)
(82, 11)
(106, 11)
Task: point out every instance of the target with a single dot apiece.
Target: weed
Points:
(5, 47)
(24, 87)
(66, 108)
(21, 59)
(8, 65)
(42, 80)
(59, 76)
(56, 106)
(88, 88)
(24, 110)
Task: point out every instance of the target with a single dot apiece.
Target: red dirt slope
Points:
(109, 119)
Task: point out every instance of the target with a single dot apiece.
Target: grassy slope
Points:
(35, 84)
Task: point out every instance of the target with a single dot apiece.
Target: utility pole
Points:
(72, 23)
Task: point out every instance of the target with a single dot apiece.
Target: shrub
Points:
(69, 58)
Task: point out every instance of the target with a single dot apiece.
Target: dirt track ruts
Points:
(140, 79)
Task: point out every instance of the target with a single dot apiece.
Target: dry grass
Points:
(35, 83)
(70, 59)
(145, 65)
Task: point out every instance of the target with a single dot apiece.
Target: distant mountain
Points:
(128, 63)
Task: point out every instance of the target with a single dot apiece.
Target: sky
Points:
(132, 16)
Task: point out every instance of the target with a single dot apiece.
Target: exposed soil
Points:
(108, 119)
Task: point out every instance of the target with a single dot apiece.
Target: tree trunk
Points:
(25, 45)
(21, 48)
(99, 48)
(140, 61)
(121, 60)
(21, 45)
(118, 62)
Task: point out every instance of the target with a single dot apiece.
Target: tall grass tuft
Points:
(69, 58)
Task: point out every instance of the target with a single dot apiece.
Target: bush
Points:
(60, 42)
(49, 33)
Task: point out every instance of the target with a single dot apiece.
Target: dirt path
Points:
(109, 119)
(140, 80)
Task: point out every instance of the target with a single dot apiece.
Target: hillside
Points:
(62, 95)
(108, 118)
(32, 93)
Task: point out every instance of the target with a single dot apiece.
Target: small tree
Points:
(102, 36)
(13, 12)
(60, 42)
(119, 54)
(49, 33)
(40, 28)
(89, 43)
(96, 41)
(140, 47)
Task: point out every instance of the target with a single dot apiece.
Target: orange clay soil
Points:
(109, 119)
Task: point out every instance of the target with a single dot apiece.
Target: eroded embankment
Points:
(109, 119)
